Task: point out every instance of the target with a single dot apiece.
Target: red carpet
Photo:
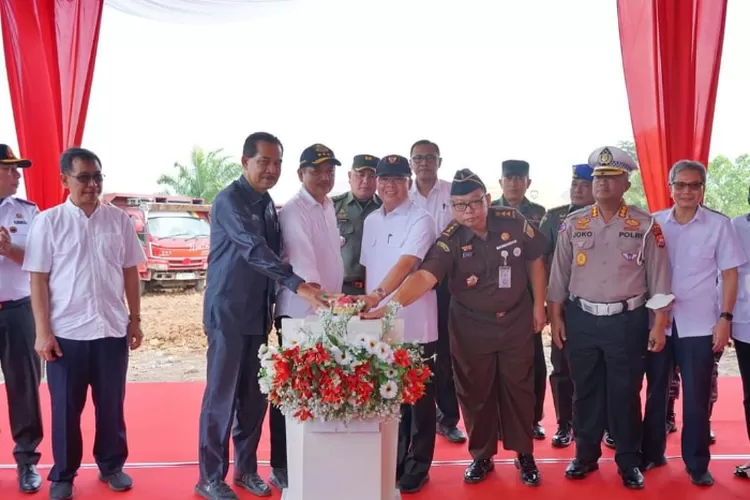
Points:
(162, 429)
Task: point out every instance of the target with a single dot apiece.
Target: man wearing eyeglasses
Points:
(491, 256)
(20, 363)
(433, 195)
(83, 258)
(702, 244)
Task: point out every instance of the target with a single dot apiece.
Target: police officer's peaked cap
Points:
(609, 160)
(394, 165)
(362, 162)
(515, 168)
(8, 159)
(316, 155)
(465, 181)
(583, 172)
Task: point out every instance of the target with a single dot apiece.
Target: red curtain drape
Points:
(671, 53)
(50, 49)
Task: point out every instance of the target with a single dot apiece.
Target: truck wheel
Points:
(200, 285)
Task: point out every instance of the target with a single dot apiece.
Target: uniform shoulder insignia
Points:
(715, 211)
(25, 202)
(452, 227)
(658, 234)
(557, 210)
(504, 212)
(339, 197)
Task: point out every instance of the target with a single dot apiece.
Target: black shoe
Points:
(119, 481)
(279, 478)
(712, 437)
(700, 478)
(742, 471)
(412, 484)
(539, 433)
(29, 480)
(61, 490)
(563, 437)
(218, 490)
(647, 464)
(252, 483)
(609, 441)
(528, 470)
(478, 470)
(451, 433)
(579, 470)
(631, 478)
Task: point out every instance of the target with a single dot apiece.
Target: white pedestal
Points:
(334, 461)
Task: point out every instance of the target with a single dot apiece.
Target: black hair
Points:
(71, 154)
(424, 142)
(250, 149)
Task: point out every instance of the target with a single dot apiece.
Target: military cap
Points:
(465, 181)
(582, 172)
(394, 165)
(316, 155)
(515, 167)
(8, 159)
(609, 160)
(362, 162)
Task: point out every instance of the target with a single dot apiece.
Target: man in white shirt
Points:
(396, 238)
(434, 195)
(741, 325)
(83, 258)
(20, 363)
(702, 245)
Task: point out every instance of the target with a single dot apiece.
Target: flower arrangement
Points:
(328, 376)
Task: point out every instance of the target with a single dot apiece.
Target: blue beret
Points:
(583, 172)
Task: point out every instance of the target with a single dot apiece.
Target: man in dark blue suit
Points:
(243, 269)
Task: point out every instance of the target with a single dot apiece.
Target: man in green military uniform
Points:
(581, 195)
(515, 182)
(351, 209)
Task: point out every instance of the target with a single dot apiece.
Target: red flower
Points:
(401, 357)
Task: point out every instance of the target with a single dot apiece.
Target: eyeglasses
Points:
(87, 178)
(428, 158)
(682, 186)
(474, 204)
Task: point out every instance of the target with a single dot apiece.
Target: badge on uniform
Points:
(529, 230)
(466, 251)
(562, 227)
(632, 224)
(12, 229)
(472, 281)
(581, 258)
(442, 246)
(583, 224)
(503, 274)
(630, 257)
(658, 235)
(505, 236)
(505, 245)
(517, 252)
(343, 241)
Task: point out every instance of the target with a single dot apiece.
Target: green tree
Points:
(727, 185)
(206, 175)
(636, 195)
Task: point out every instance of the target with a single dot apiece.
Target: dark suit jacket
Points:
(244, 263)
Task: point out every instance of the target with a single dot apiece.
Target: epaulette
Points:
(561, 208)
(537, 205)
(339, 197)
(504, 212)
(25, 202)
(580, 211)
(452, 227)
(715, 211)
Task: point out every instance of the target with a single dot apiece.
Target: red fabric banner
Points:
(671, 54)
(50, 49)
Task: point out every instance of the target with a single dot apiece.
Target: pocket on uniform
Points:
(345, 228)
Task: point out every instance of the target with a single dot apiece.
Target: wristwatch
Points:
(727, 316)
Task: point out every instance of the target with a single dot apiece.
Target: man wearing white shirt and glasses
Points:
(396, 238)
(702, 245)
(83, 259)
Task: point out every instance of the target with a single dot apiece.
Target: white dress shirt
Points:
(15, 216)
(437, 203)
(741, 321)
(312, 245)
(85, 258)
(698, 252)
(407, 230)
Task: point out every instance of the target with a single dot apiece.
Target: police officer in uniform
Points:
(351, 209)
(491, 255)
(581, 195)
(20, 363)
(515, 182)
(609, 263)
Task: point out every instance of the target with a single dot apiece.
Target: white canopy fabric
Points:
(197, 11)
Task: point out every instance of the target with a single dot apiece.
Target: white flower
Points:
(344, 358)
(265, 385)
(383, 351)
(371, 345)
(389, 390)
(263, 351)
(391, 373)
(362, 340)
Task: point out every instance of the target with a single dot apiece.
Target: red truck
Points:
(174, 232)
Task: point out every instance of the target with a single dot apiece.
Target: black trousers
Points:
(445, 391)
(561, 385)
(416, 431)
(101, 364)
(743, 360)
(695, 358)
(22, 371)
(232, 402)
(540, 378)
(607, 356)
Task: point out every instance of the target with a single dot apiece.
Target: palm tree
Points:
(207, 174)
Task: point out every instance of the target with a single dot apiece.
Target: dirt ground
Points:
(174, 345)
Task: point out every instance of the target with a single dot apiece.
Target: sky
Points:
(539, 80)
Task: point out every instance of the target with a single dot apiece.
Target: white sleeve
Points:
(296, 231)
(134, 254)
(38, 253)
(421, 237)
(366, 241)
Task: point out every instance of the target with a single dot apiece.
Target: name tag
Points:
(503, 277)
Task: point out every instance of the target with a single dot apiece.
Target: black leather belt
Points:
(355, 284)
(10, 304)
